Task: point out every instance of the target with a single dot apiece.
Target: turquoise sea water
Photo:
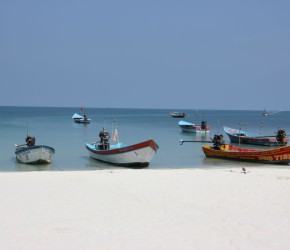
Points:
(54, 127)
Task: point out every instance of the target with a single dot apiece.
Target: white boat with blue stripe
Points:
(31, 153)
(192, 128)
(81, 119)
(136, 155)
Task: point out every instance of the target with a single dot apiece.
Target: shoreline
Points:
(146, 209)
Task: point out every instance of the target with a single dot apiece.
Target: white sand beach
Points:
(146, 209)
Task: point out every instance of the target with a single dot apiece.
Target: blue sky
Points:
(145, 54)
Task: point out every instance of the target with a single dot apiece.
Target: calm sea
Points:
(54, 127)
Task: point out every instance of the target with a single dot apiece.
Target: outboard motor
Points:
(104, 140)
(217, 141)
(30, 141)
(203, 125)
(281, 135)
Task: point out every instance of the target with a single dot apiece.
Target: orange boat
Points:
(277, 155)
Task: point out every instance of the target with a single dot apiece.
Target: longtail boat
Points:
(31, 153)
(265, 112)
(192, 128)
(81, 119)
(279, 155)
(136, 155)
(244, 137)
(177, 114)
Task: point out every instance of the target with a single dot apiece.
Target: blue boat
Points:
(244, 137)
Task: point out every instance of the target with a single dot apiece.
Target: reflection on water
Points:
(33, 167)
(227, 163)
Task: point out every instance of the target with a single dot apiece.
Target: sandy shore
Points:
(146, 209)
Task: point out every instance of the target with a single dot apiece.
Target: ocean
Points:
(54, 127)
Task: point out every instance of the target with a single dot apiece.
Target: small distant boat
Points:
(270, 112)
(81, 119)
(240, 136)
(31, 153)
(265, 112)
(137, 155)
(177, 114)
(192, 128)
(224, 151)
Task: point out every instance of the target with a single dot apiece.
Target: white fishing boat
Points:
(81, 119)
(136, 155)
(192, 128)
(31, 153)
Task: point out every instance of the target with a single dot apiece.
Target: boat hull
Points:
(138, 155)
(273, 156)
(34, 154)
(195, 129)
(82, 121)
(177, 115)
(237, 136)
(263, 141)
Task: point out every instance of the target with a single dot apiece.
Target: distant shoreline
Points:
(167, 109)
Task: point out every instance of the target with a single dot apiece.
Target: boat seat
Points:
(224, 147)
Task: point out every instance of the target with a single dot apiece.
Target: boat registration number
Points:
(275, 157)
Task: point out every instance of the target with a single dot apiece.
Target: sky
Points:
(165, 54)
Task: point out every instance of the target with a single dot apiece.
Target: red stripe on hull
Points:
(149, 143)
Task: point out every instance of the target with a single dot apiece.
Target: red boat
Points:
(277, 155)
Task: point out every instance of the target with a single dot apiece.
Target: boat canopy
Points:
(184, 123)
(77, 116)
